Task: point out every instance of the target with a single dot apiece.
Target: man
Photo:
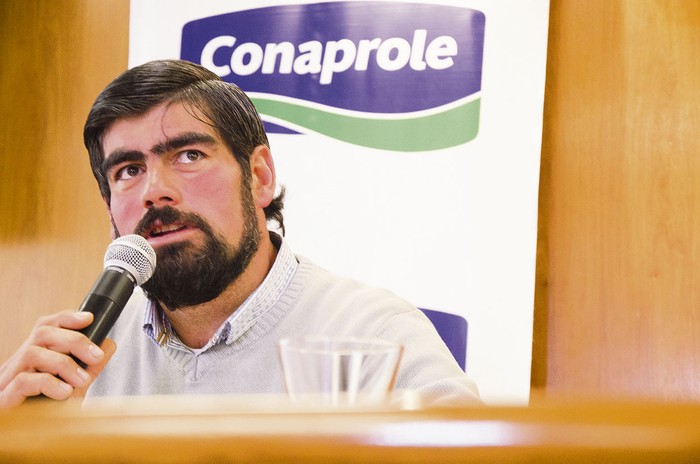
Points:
(182, 159)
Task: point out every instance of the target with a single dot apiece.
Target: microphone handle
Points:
(106, 313)
(105, 301)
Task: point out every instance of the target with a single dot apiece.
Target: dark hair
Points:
(225, 106)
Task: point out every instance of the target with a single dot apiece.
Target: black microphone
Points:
(129, 261)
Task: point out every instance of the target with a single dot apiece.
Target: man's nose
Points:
(161, 187)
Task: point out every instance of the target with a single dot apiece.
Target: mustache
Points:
(168, 215)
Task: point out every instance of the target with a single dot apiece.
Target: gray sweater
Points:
(297, 298)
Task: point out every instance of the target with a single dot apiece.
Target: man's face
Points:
(176, 183)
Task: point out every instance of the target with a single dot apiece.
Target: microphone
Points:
(129, 261)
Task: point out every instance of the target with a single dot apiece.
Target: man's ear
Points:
(263, 179)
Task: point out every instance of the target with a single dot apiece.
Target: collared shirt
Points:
(157, 326)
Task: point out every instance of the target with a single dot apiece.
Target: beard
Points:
(187, 274)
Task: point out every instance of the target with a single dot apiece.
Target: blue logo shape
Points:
(396, 76)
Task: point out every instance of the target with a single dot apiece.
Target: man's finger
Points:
(108, 348)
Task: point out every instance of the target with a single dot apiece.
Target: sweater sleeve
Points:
(427, 367)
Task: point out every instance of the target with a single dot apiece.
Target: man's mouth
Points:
(168, 225)
(165, 229)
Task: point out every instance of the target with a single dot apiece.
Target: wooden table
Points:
(267, 429)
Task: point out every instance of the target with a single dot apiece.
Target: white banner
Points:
(408, 136)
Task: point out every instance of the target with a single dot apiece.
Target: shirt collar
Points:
(158, 328)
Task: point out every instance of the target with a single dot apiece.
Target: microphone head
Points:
(134, 254)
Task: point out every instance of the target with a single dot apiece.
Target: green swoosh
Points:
(441, 130)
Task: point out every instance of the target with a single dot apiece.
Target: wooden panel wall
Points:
(617, 307)
(56, 57)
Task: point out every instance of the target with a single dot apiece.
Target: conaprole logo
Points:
(395, 76)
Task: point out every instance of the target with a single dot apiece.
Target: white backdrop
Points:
(452, 229)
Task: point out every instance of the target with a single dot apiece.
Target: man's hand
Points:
(43, 365)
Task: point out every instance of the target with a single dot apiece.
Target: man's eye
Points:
(127, 172)
(190, 156)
